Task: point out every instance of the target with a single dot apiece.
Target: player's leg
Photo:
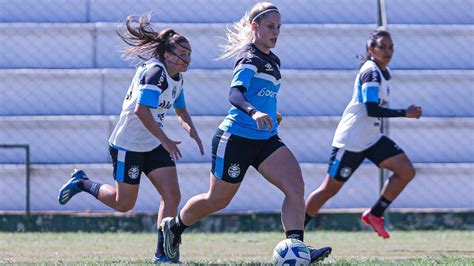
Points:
(282, 170)
(165, 181)
(342, 165)
(279, 166)
(403, 172)
(122, 197)
(320, 196)
(229, 164)
(161, 171)
(218, 197)
(386, 154)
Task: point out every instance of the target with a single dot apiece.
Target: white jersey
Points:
(153, 87)
(357, 131)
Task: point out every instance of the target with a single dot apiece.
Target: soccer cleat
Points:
(171, 240)
(319, 254)
(68, 190)
(375, 222)
(160, 259)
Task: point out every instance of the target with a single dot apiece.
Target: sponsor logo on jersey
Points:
(345, 172)
(162, 78)
(165, 104)
(234, 170)
(264, 92)
(160, 116)
(173, 92)
(133, 172)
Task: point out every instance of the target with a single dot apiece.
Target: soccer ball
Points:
(291, 252)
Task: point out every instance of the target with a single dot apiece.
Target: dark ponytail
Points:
(145, 42)
(372, 42)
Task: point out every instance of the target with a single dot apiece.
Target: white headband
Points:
(263, 12)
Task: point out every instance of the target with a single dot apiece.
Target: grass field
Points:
(355, 248)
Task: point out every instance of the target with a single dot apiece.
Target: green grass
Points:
(355, 248)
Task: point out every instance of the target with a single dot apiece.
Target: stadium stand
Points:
(63, 82)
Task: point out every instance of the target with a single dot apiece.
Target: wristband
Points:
(252, 111)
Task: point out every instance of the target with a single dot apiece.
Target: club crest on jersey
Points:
(133, 172)
(234, 170)
(345, 172)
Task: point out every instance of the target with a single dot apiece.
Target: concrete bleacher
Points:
(98, 46)
(427, 190)
(430, 11)
(303, 93)
(63, 82)
(196, 11)
(83, 139)
(332, 46)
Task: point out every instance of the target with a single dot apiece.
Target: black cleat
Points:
(319, 254)
(171, 240)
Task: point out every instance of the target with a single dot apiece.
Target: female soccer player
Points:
(248, 136)
(358, 136)
(139, 143)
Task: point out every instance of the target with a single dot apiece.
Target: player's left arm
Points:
(185, 120)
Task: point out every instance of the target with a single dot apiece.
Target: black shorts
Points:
(232, 155)
(129, 165)
(343, 163)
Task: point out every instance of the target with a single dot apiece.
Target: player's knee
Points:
(171, 199)
(409, 173)
(217, 203)
(124, 206)
(295, 190)
(406, 173)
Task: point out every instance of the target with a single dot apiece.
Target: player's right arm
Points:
(244, 71)
(152, 84)
(237, 99)
(146, 117)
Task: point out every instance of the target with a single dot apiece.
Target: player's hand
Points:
(279, 117)
(263, 120)
(171, 146)
(414, 111)
(194, 135)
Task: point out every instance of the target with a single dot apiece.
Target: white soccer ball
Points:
(291, 252)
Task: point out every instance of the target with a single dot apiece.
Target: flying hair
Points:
(241, 32)
(145, 43)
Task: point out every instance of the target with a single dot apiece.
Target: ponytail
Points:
(145, 42)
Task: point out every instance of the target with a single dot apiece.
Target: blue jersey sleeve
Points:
(180, 103)
(152, 84)
(149, 97)
(370, 83)
(242, 76)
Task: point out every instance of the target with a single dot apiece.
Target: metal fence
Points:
(62, 82)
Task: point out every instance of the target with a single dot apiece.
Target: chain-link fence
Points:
(62, 82)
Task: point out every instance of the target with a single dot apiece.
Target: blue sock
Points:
(159, 245)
